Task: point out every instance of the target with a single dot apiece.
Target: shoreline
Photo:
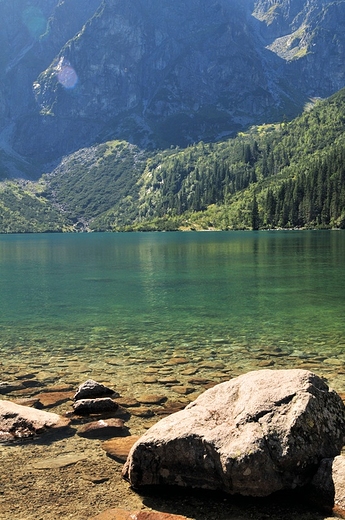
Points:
(38, 483)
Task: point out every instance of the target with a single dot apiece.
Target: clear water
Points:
(84, 303)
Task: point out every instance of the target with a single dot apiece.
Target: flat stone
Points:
(152, 399)
(103, 428)
(142, 411)
(119, 448)
(150, 370)
(92, 389)
(266, 363)
(26, 375)
(58, 388)
(212, 365)
(49, 399)
(94, 406)
(177, 361)
(170, 407)
(59, 461)
(127, 402)
(17, 421)
(29, 401)
(31, 383)
(150, 380)
(168, 381)
(182, 390)
(198, 381)
(6, 387)
(190, 371)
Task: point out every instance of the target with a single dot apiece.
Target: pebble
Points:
(168, 380)
(198, 381)
(177, 361)
(142, 411)
(190, 371)
(150, 380)
(183, 390)
(265, 363)
(212, 364)
(150, 370)
(127, 402)
(152, 399)
(170, 407)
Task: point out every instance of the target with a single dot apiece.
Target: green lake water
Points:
(115, 305)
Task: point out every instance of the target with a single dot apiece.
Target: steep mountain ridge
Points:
(78, 72)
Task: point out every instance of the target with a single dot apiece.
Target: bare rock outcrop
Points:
(256, 434)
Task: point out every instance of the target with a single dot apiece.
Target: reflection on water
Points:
(72, 303)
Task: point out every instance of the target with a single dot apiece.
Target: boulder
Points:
(17, 421)
(95, 406)
(91, 390)
(261, 432)
(328, 485)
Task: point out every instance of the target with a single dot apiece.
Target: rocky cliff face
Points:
(76, 72)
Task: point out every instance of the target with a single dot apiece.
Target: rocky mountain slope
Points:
(79, 72)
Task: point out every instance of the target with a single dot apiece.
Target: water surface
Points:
(86, 303)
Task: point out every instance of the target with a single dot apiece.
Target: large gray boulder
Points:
(258, 433)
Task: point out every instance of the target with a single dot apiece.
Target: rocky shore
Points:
(62, 454)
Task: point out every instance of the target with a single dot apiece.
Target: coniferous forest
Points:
(284, 175)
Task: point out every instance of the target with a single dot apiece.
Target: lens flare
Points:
(66, 74)
(35, 21)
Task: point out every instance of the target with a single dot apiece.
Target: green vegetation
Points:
(23, 209)
(289, 175)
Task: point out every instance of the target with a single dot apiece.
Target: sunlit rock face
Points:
(159, 73)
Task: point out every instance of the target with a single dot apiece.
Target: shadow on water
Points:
(211, 505)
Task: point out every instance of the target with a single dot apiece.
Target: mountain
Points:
(285, 175)
(78, 73)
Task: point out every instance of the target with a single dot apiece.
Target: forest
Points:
(284, 175)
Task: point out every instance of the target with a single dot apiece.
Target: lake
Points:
(123, 307)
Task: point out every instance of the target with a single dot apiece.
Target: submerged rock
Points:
(17, 421)
(256, 434)
(91, 390)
